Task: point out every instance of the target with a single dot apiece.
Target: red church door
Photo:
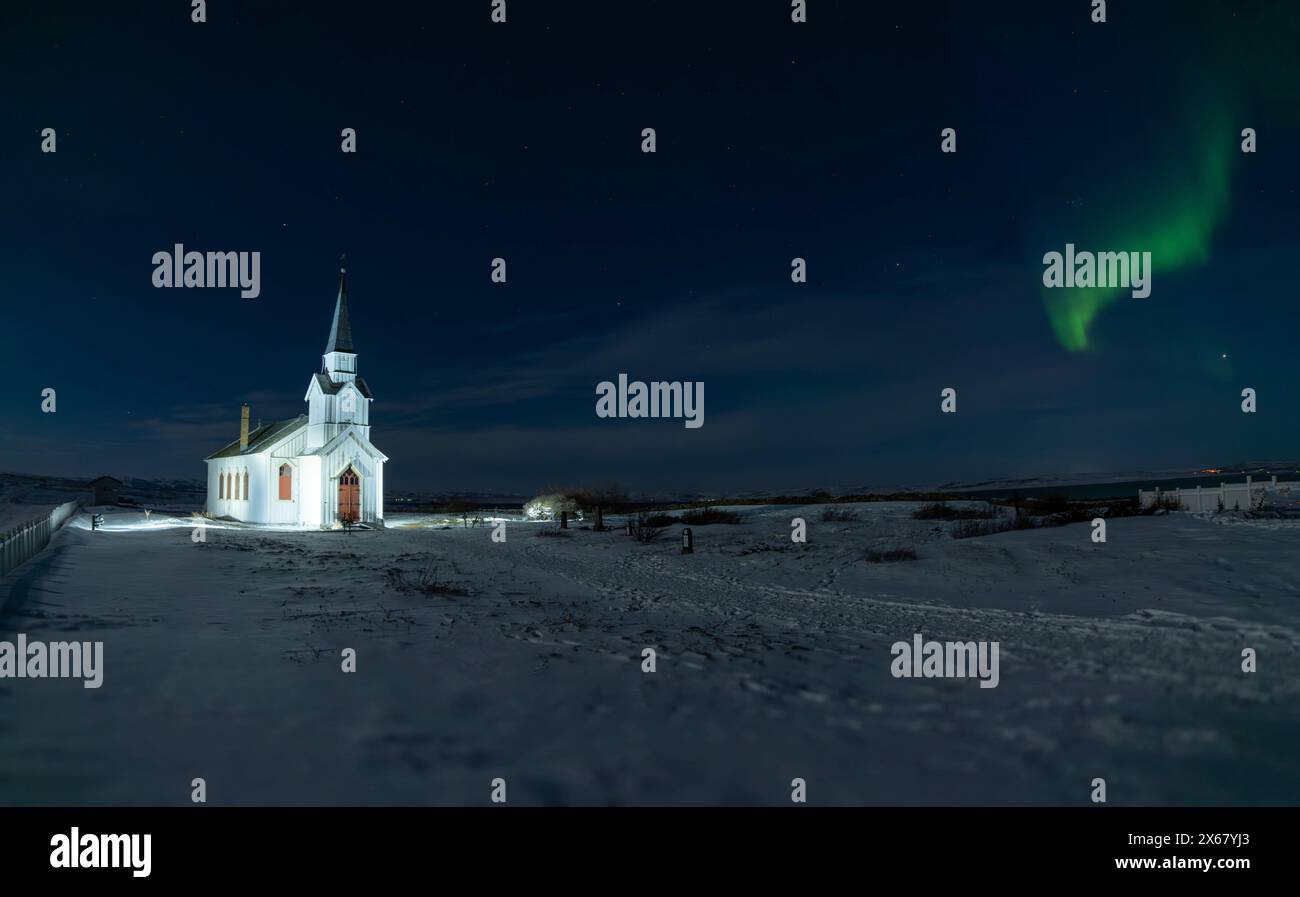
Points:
(349, 495)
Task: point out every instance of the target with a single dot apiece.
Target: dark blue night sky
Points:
(775, 140)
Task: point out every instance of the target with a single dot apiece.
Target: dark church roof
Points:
(329, 387)
(341, 330)
(261, 437)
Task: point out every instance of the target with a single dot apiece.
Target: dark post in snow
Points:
(629, 527)
(600, 520)
(688, 541)
(564, 520)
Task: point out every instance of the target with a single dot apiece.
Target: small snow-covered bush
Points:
(549, 507)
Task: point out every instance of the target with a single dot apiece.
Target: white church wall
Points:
(222, 502)
(310, 498)
(258, 510)
(278, 510)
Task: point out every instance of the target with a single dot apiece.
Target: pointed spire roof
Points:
(341, 330)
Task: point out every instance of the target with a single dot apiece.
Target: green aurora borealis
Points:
(1175, 221)
(1166, 165)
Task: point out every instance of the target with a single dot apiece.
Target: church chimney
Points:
(243, 428)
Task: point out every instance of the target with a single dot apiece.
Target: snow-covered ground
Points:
(222, 660)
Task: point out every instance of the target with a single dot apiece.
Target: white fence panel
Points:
(1231, 496)
(22, 542)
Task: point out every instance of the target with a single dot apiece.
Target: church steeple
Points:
(341, 330)
(339, 362)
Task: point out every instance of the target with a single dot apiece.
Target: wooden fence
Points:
(23, 542)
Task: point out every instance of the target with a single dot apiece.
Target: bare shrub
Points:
(643, 530)
(1164, 502)
(426, 581)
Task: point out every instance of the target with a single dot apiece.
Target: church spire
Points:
(341, 330)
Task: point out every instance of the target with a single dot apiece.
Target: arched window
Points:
(286, 483)
(245, 485)
(221, 485)
(229, 494)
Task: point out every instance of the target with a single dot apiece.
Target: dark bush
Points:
(970, 529)
(943, 511)
(706, 516)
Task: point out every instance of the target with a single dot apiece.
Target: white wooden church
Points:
(318, 469)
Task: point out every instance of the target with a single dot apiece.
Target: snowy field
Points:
(222, 660)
